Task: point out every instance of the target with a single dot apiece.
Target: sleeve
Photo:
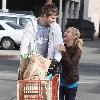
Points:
(26, 39)
(57, 40)
(72, 61)
(24, 49)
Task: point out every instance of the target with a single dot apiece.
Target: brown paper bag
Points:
(37, 67)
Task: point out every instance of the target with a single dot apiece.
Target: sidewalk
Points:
(89, 88)
(9, 54)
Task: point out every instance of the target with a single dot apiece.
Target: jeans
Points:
(67, 94)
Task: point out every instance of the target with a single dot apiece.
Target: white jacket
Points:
(28, 40)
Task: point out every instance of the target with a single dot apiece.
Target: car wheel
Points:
(7, 43)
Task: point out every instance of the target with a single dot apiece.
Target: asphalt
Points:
(89, 78)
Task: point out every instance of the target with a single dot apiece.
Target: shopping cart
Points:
(38, 89)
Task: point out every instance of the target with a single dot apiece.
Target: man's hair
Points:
(49, 9)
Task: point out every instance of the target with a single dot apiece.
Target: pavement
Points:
(89, 72)
(9, 54)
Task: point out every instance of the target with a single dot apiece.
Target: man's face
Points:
(51, 19)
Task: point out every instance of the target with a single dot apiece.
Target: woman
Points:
(71, 54)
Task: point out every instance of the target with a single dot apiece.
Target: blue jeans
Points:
(68, 94)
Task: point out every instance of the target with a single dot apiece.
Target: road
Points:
(8, 77)
(89, 88)
(9, 62)
(89, 70)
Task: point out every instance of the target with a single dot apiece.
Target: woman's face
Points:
(68, 36)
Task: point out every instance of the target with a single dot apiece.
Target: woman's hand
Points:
(61, 48)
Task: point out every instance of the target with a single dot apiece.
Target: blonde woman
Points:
(71, 54)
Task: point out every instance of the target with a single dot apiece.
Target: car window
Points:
(13, 19)
(23, 21)
(13, 25)
(1, 27)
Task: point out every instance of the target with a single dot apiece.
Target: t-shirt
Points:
(72, 85)
(42, 38)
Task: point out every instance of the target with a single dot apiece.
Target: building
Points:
(70, 11)
(92, 13)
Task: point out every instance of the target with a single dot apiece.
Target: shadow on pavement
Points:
(95, 90)
(89, 69)
(92, 44)
(9, 65)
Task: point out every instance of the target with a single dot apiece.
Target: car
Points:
(10, 35)
(20, 19)
(23, 20)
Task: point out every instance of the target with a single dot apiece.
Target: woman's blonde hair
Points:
(76, 35)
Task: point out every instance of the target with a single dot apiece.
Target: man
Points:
(42, 36)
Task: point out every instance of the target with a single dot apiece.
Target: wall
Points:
(86, 10)
(94, 13)
(71, 11)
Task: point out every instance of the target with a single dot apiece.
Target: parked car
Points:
(20, 19)
(10, 35)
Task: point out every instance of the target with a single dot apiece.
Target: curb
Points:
(9, 57)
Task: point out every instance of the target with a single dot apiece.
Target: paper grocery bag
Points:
(37, 67)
